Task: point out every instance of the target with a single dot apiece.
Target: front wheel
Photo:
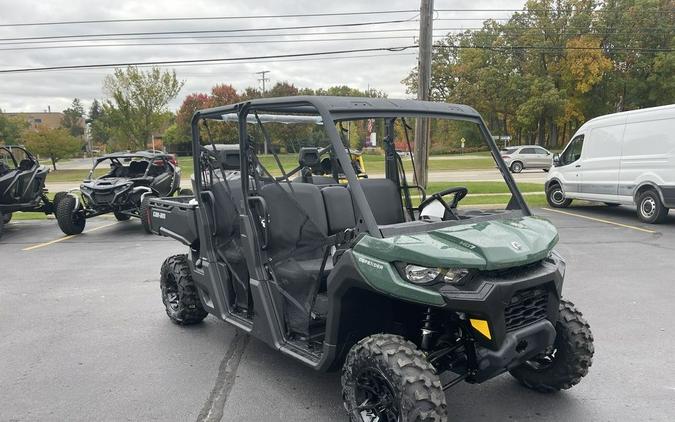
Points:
(650, 209)
(179, 292)
(6, 218)
(567, 361)
(386, 378)
(186, 192)
(556, 197)
(70, 216)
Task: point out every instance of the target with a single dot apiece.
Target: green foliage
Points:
(99, 129)
(137, 107)
(10, 129)
(585, 58)
(73, 118)
(53, 143)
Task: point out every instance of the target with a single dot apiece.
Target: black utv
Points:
(22, 184)
(408, 292)
(124, 190)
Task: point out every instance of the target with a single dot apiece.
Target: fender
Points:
(652, 185)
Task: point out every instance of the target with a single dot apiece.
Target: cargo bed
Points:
(174, 217)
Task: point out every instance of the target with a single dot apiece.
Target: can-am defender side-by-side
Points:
(22, 184)
(124, 190)
(408, 298)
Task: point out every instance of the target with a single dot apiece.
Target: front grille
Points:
(104, 197)
(526, 307)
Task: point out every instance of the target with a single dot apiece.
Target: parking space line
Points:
(61, 239)
(600, 220)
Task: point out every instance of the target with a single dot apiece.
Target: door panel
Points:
(570, 167)
(601, 160)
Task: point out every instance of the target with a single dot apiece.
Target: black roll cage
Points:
(116, 159)
(333, 110)
(9, 149)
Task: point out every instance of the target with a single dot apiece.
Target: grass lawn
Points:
(499, 191)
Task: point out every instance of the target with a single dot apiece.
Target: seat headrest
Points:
(25, 164)
(309, 157)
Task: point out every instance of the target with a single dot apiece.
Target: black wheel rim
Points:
(557, 196)
(171, 292)
(375, 397)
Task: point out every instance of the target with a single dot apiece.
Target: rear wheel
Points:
(186, 192)
(144, 213)
(650, 209)
(179, 292)
(120, 216)
(386, 378)
(6, 218)
(71, 220)
(516, 167)
(556, 197)
(2, 223)
(563, 366)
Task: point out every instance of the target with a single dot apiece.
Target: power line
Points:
(321, 53)
(569, 31)
(292, 15)
(207, 18)
(228, 59)
(291, 41)
(211, 43)
(308, 59)
(291, 34)
(211, 31)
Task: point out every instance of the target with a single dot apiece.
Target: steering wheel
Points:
(459, 191)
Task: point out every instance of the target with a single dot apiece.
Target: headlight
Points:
(418, 274)
(421, 275)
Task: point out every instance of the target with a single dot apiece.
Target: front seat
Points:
(384, 199)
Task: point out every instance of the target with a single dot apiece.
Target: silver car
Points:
(527, 157)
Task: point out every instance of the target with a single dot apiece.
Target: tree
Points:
(556, 63)
(99, 130)
(10, 129)
(53, 143)
(138, 103)
(73, 118)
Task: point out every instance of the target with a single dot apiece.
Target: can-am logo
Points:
(370, 263)
(160, 215)
(516, 246)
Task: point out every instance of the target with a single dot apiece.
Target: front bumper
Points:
(509, 300)
(517, 347)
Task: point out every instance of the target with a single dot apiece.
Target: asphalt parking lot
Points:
(84, 336)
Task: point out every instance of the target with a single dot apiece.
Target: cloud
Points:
(35, 91)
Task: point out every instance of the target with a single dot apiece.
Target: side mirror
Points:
(556, 159)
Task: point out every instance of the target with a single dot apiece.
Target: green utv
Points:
(407, 292)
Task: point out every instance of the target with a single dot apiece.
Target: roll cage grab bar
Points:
(244, 113)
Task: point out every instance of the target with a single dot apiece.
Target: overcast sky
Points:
(35, 91)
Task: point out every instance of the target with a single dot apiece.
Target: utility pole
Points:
(263, 79)
(423, 127)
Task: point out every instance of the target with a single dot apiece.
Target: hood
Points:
(106, 183)
(486, 245)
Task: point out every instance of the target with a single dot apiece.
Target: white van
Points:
(623, 158)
